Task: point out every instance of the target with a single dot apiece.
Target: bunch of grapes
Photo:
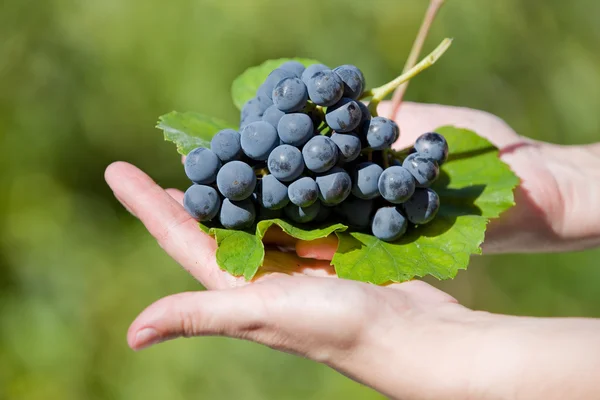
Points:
(308, 150)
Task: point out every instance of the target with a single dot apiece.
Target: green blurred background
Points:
(82, 84)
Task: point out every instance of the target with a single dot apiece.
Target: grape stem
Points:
(386, 155)
(381, 92)
(325, 131)
(415, 51)
(309, 107)
(261, 172)
(399, 154)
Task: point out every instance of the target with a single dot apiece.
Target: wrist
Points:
(531, 358)
(420, 352)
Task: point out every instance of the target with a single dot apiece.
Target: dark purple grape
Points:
(354, 81)
(202, 165)
(290, 95)
(325, 88)
(381, 133)
(422, 207)
(295, 129)
(296, 67)
(434, 146)
(388, 224)
(344, 116)
(286, 163)
(320, 153)
(365, 178)
(348, 144)
(334, 186)
(201, 202)
(302, 214)
(396, 184)
(425, 170)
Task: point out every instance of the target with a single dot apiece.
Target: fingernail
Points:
(146, 337)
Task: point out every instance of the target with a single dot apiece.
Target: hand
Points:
(560, 185)
(354, 327)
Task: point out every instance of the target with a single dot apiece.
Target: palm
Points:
(545, 193)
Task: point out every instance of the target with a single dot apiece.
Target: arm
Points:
(407, 340)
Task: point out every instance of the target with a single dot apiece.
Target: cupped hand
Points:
(351, 326)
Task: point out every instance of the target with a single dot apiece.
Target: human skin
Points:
(407, 340)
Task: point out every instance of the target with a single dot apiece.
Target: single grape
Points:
(276, 76)
(273, 194)
(226, 145)
(357, 211)
(348, 145)
(237, 214)
(396, 184)
(297, 68)
(434, 146)
(303, 192)
(320, 153)
(422, 207)
(365, 178)
(248, 120)
(264, 94)
(295, 129)
(272, 115)
(388, 224)
(381, 133)
(311, 70)
(285, 163)
(354, 81)
(334, 186)
(302, 214)
(258, 139)
(290, 95)
(425, 170)
(202, 165)
(344, 116)
(254, 107)
(236, 180)
(325, 88)
(201, 202)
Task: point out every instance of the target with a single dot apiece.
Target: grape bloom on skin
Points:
(310, 165)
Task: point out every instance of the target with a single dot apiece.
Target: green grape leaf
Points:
(244, 87)
(189, 130)
(474, 186)
(242, 252)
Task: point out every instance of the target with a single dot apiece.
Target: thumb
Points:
(313, 317)
(235, 313)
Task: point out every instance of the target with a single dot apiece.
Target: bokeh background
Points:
(82, 84)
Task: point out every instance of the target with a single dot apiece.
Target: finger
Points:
(414, 119)
(289, 263)
(301, 315)
(234, 313)
(176, 232)
(176, 194)
(276, 236)
(319, 249)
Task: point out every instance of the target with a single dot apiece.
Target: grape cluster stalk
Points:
(309, 151)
